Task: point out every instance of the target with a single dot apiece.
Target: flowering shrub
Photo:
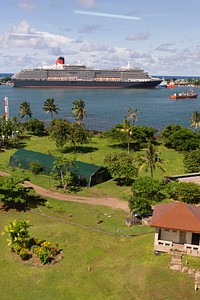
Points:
(44, 252)
(24, 253)
(25, 246)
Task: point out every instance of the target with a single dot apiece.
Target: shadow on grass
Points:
(32, 201)
(14, 145)
(39, 133)
(79, 149)
(123, 181)
(123, 146)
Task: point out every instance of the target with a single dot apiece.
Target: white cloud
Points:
(27, 4)
(138, 36)
(23, 27)
(166, 47)
(23, 35)
(87, 3)
(89, 28)
(90, 47)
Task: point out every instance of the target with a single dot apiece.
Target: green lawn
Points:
(93, 152)
(101, 261)
(104, 264)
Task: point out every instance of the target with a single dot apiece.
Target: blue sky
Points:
(161, 37)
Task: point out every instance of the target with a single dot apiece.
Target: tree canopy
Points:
(192, 161)
(50, 107)
(25, 110)
(150, 159)
(121, 166)
(78, 110)
(180, 138)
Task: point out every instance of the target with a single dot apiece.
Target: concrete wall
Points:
(169, 235)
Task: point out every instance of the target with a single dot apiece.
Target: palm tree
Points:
(195, 119)
(127, 130)
(50, 106)
(79, 110)
(150, 159)
(25, 110)
(132, 114)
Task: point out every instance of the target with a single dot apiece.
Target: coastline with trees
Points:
(138, 158)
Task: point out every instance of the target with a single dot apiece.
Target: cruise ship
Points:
(63, 75)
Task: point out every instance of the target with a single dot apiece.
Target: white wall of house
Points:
(188, 237)
(169, 235)
(174, 236)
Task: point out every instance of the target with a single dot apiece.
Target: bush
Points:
(24, 253)
(192, 161)
(188, 192)
(35, 126)
(36, 167)
(139, 205)
(45, 252)
(121, 166)
(152, 189)
(25, 246)
(180, 138)
(17, 248)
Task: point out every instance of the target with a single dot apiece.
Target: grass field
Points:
(104, 264)
(93, 152)
(101, 261)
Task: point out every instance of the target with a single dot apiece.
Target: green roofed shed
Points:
(87, 174)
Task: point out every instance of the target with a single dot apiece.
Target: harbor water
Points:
(106, 107)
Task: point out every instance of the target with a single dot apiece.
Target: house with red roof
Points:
(177, 228)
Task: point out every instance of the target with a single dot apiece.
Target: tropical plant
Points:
(44, 252)
(180, 138)
(127, 130)
(59, 131)
(25, 110)
(9, 128)
(35, 126)
(147, 188)
(132, 114)
(79, 112)
(137, 136)
(12, 193)
(51, 107)
(24, 246)
(188, 192)
(195, 119)
(191, 161)
(36, 167)
(121, 166)
(78, 134)
(64, 171)
(150, 159)
(140, 206)
(18, 233)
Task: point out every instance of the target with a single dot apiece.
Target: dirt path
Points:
(114, 203)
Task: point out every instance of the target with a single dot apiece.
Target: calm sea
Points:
(105, 107)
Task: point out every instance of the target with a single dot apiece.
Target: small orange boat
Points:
(171, 85)
(189, 94)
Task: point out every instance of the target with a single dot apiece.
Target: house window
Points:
(195, 238)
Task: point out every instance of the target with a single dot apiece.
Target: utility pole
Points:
(6, 108)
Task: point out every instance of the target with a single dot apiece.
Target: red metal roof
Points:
(177, 216)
